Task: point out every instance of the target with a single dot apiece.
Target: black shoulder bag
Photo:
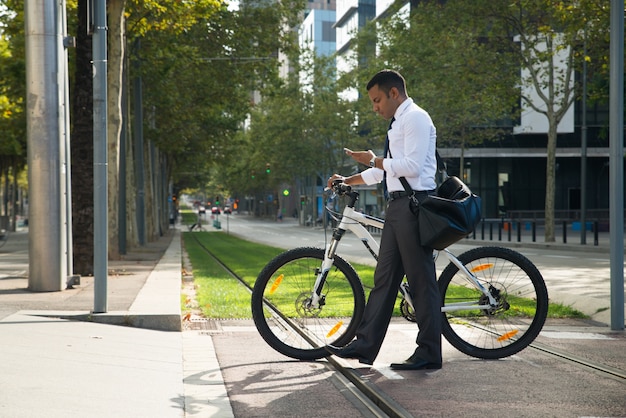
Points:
(448, 216)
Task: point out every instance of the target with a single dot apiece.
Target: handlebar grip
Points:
(340, 187)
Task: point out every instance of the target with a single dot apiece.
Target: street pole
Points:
(47, 264)
(616, 163)
(100, 189)
(583, 151)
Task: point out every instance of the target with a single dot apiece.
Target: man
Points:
(412, 142)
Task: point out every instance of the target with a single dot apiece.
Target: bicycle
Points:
(494, 299)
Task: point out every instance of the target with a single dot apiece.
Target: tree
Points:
(551, 35)
(116, 51)
(82, 148)
(451, 67)
(201, 85)
(12, 103)
(172, 15)
(300, 127)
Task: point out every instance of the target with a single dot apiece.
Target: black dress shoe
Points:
(415, 363)
(348, 351)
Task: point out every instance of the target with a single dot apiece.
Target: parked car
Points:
(215, 210)
(228, 210)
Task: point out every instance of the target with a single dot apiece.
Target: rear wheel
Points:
(282, 309)
(519, 313)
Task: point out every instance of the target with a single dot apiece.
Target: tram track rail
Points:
(371, 398)
(579, 361)
(379, 403)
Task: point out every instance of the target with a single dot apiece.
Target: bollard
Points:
(519, 231)
(490, 231)
(595, 233)
(564, 232)
(510, 224)
(534, 229)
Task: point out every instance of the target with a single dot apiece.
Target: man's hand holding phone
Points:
(363, 157)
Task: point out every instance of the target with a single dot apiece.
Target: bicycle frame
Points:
(356, 222)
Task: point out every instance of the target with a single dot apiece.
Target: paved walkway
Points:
(132, 361)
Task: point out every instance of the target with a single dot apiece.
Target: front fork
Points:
(327, 264)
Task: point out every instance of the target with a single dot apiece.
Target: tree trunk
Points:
(550, 179)
(115, 57)
(132, 239)
(14, 196)
(82, 149)
(149, 176)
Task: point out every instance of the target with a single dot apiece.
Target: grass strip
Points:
(218, 295)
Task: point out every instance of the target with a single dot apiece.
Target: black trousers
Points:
(400, 254)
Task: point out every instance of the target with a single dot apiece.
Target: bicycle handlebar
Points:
(342, 189)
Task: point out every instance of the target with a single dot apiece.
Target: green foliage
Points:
(12, 85)
(545, 30)
(198, 77)
(558, 310)
(217, 293)
(451, 68)
(300, 127)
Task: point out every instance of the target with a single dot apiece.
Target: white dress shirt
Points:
(412, 143)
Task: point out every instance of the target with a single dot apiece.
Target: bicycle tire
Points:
(522, 303)
(279, 302)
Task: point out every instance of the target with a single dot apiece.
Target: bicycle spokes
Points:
(297, 313)
(494, 302)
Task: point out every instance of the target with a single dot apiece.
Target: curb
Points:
(156, 306)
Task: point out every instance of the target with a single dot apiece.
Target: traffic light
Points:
(286, 192)
(267, 168)
(217, 200)
(252, 174)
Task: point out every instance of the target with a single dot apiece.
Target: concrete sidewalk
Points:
(57, 366)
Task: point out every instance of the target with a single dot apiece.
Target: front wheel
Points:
(498, 330)
(282, 306)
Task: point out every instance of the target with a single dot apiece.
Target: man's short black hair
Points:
(386, 79)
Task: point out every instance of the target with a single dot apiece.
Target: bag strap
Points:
(441, 167)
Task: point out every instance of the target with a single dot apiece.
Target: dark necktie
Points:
(385, 152)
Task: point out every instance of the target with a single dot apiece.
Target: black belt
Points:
(397, 195)
(403, 193)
